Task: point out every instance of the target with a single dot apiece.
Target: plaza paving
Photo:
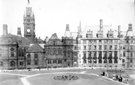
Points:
(45, 77)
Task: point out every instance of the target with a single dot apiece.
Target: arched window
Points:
(12, 63)
(1, 63)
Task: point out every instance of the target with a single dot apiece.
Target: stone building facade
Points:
(8, 50)
(54, 52)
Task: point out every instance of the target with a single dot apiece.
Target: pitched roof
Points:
(54, 36)
(35, 48)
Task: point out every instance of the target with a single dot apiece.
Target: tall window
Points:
(84, 41)
(84, 57)
(21, 63)
(35, 55)
(12, 63)
(12, 54)
(115, 47)
(28, 62)
(54, 61)
(95, 41)
(84, 47)
(59, 51)
(100, 47)
(36, 62)
(89, 47)
(105, 47)
(49, 51)
(110, 47)
(59, 61)
(1, 63)
(95, 47)
(49, 61)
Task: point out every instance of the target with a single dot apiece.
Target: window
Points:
(131, 61)
(59, 51)
(100, 41)
(28, 62)
(95, 47)
(36, 55)
(116, 41)
(95, 41)
(100, 61)
(100, 47)
(110, 60)
(12, 54)
(115, 47)
(124, 54)
(84, 47)
(84, 57)
(54, 51)
(123, 60)
(105, 41)
(90, 41)
(59, 61)
(36, 62)
(49, 61)
(1, 63)
(131, 47)
(105, 47)
(54, 61)
(68, 53)
(89, 47)
(21, 63)
(115, 61)
(12, 63)
(110, 47)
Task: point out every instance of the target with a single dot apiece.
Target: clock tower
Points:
(29, 24)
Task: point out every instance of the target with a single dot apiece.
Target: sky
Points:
(51, 16)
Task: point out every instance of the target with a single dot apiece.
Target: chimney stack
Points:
(5, 30)
(19, 31)
(101, 23)
(119, 31)
(67, 27)
(129, 27)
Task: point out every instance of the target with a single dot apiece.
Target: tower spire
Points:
(28, 2)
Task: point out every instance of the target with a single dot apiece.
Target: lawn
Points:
(84, 79)
(47, 79)
(10, 80)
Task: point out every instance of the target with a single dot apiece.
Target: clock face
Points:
(28, 30)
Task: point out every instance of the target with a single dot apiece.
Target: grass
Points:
(83, 80)
(10, 80)
(47, 79)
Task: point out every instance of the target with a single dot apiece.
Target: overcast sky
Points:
(51, 16)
